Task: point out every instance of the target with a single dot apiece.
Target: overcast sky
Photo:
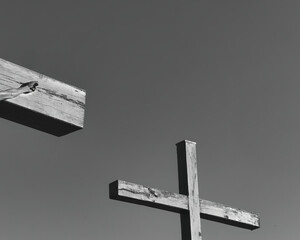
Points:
(224, 74)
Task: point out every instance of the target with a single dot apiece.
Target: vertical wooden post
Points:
(188, 185)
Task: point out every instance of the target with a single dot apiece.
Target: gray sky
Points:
(224, 74)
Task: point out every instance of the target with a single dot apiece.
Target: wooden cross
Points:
(54, 107)
(187, 203)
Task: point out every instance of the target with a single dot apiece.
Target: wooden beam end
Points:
(54, 107)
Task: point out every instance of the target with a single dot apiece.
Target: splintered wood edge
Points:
(152, 197)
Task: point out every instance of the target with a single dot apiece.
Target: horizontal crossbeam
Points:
(54, 107)
(138, 194)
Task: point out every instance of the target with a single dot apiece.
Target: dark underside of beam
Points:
(35, 120)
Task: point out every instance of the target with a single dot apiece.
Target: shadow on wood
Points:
(35, 120)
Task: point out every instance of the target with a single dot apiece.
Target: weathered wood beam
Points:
(188, 185)
(152, 197)
(54, 107)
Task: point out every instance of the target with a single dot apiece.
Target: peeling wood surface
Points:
(54, 107)
(152, 197)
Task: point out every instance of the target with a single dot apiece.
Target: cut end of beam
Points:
(54, 107)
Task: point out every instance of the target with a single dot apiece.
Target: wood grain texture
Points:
(152, 197)
(54, 107)
(188, 185)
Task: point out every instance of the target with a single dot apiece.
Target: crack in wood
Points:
(63, 96)
(152, 192)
